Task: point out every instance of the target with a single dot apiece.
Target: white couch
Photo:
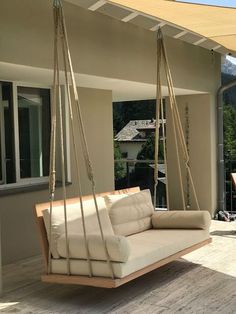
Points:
(136, 236)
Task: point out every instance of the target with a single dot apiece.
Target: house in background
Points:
(131, 139)
(133, 136)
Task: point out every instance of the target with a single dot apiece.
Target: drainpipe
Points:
(220, 144)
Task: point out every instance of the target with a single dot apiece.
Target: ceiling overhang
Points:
(213, 28)
(122, 90)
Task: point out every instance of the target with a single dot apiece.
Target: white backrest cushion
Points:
(74, 221)
(130, 214)
(113, 198)
(118, 247)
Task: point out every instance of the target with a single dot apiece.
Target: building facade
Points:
(113, 61)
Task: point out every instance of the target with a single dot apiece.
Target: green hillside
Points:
(230, 95)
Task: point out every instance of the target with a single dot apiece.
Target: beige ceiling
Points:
(217, 24)
(122, 90)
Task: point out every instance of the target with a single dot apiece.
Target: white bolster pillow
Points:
(189, 219)
(118, 247)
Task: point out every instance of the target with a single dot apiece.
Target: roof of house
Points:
(130, 133)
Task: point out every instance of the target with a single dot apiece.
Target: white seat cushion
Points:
(118, 247)
(147, 248)
(74, 221)
(130, 214)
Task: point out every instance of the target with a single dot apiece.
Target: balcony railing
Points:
(230, 167)
(134, 172)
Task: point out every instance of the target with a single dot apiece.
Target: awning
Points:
(210, 27)
(215, 23)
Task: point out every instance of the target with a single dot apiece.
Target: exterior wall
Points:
(122, 50)
(202, 150)
(97, 118)
(131, 148)
(19, 233)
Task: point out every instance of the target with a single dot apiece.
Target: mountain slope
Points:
(228, 74)
(229, 68)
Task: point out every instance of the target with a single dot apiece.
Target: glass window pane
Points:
(34, 131)
(8, 174)
(1, 163)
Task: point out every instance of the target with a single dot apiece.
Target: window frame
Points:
(24, 182)
(2, 139)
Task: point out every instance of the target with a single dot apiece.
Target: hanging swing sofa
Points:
(138, 239)
(108, 239)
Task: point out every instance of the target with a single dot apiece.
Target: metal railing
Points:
(135, 172)
(230, 197)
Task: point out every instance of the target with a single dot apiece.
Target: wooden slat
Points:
(80, 280)
(97, 5)
(43, 239)
(114, 283)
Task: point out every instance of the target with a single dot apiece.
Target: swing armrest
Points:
(190, 219)
(118, 248)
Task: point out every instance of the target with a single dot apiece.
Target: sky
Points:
(233, 60)
(226, 3)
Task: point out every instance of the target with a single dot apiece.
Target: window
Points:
(7, 160)
(34, 131)
(24, 134)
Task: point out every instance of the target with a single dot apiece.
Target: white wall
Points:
(202, 151)
(100, 45)
(131, 148)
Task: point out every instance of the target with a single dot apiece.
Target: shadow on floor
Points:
(180, 286)
(224, 233)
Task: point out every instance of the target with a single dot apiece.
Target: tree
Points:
(229, 132)
(229, 147)
(120, 170)
(148, 150)
(144, 172)
(123, 112)
(229, 95)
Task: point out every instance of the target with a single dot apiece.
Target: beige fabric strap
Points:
(74, 108)
(165, 153)
(158, 102)
(160, 116)
(52, 170)
(84, 144)
(180, 129)
(173, 116)
(52, 176)
(76, 150)
(179, 138)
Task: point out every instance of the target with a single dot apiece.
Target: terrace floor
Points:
(202, 282)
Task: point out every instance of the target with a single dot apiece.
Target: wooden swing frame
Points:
(102, 282)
